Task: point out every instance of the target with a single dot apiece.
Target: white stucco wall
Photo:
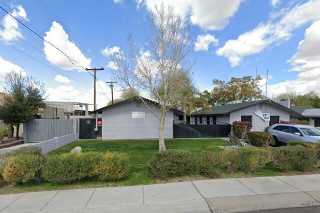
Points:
(257, 123)
(119, 124)
(311, 122)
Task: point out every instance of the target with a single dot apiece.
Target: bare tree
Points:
(154, 71)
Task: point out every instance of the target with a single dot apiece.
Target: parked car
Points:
(285, 133)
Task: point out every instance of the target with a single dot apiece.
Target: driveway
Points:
(205, 196)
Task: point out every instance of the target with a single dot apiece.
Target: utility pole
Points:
(95, 91)
(94, 85)
(111, 84)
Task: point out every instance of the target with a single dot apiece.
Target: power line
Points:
(41, 38)
(30, 56)
(88, 70)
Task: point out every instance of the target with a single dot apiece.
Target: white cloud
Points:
(274, 31)
(9, 28)
(246, 44)
(109, 51)
(111, 65)
(78, 94)
(204, 42)
(57, 36)
(62, 79)
(7, 67)
(307, 63)
(207, 14)
(117, 1)
(275, 2)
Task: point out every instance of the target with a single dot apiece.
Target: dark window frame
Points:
(271, 120)
(246, 118)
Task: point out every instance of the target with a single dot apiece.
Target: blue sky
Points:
(229, 38)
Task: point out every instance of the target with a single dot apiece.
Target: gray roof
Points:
(135, 99)
(308, 111)
(228, 108)
(300, 109)
(312, 113)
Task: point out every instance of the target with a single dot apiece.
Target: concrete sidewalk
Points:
(205, 196)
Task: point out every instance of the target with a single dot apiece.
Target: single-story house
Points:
(260, 113)
(138, 117)
(311, 114)
(134, 118)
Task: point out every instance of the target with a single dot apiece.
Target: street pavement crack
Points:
(12, 202)
(202, 196)
(47, 203)
(90, 198)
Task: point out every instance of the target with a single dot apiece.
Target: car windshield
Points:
(310, 131)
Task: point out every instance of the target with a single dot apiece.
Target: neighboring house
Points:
(134, 118)
(64, 110)
(311, 114)
(260, 114)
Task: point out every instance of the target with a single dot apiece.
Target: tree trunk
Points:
(17, 130)
(11, 131)
(162, 144)
(184, 117)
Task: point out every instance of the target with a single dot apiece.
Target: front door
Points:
(87, 128)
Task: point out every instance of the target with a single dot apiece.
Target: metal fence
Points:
(200, 131)
(39, 130)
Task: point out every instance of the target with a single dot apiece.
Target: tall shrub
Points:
(260, 139)
(248, 160)
(294, 158)
(112, 167)
(213, 164)
(67, 168)
(240, 129)
(23, 168)
(173, 164)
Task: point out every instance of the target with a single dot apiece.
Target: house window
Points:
(274, 120)
(192, 120)
(204, 120)
(246, 118)
(198, 121)
(138, 115)
(212, 120)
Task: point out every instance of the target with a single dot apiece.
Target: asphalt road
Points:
(314, 209)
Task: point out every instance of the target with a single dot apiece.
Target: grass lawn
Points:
(140, 152)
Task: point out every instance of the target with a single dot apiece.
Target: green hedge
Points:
(173, 164)
(4, 132)
(247, 160)
(213, 164)
(68, 168)
(112, 167)
(23, 168)
(260, 139)
(297, 158)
